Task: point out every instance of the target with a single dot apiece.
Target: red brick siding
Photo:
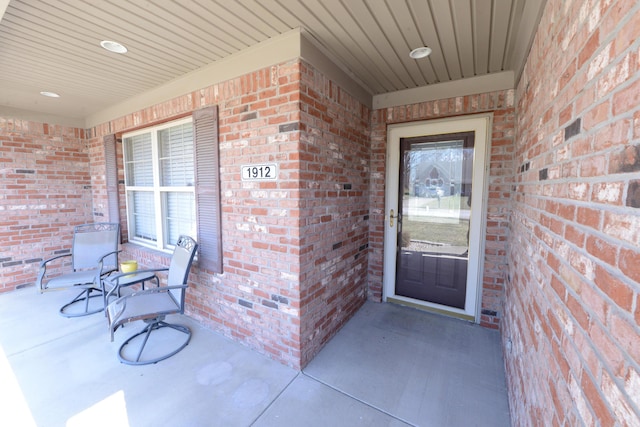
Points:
(500, 183)
(46, 192)
(334, 214)
(256, 300)
(571, 316)
(276, 234)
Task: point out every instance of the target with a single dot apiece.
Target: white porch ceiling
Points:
(53, 45)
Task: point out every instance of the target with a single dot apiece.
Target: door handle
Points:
(391, 218)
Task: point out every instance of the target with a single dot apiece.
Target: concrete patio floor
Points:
(389, 366)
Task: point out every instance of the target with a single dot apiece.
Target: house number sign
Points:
(260, 172)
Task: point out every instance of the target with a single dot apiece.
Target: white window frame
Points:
(160, 210)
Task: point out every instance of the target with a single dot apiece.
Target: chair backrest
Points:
(181, 261)
(92, 241)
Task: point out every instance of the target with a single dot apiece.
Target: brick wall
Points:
(571, 332)
(256, 300)
(334, 208)
(46, 191)
(499, 190)
(298, 243)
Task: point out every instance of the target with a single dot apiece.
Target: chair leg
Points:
(155, 325)
(85, 297)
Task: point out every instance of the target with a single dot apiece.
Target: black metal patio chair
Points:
(94, 255)
(152, 306)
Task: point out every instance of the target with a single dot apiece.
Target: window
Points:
(160, 183)
(163, 197)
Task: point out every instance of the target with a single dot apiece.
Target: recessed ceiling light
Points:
(420, 52)
(50, 94)
(114, 47)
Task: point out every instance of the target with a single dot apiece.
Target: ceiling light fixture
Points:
(114, 47)
(49, 94)
(420, 52)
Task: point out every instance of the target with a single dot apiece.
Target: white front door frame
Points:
(481, 125)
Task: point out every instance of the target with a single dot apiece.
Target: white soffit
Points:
(469, 86)
(53, 45)
(3, 7)
(270, 52)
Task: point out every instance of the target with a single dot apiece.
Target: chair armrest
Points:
(107, 254)
(116, 308)
(46, 261)
(43, 270)
(100, 262)
(113, 312)
(156, 290)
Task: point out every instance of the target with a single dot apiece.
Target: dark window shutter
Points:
(207, 165)
(111, 177)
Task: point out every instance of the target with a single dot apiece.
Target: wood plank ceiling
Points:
(53, 45)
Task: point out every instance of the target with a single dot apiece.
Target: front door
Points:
(433, 218)
(433, 232)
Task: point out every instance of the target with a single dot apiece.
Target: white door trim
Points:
(481, 125)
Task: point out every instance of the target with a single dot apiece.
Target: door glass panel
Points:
(435, 210)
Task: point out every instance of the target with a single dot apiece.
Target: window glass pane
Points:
(176, 156)
(158, 160)
(180, 215)
(143, 215)
(138, 160)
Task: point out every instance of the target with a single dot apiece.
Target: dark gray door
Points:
(433, 222)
